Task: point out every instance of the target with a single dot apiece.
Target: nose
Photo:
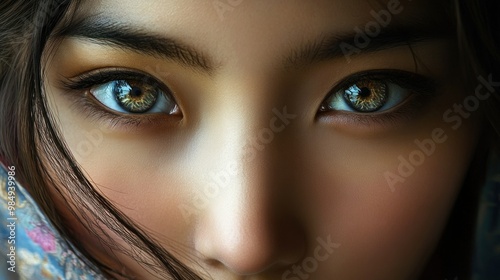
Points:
(242, 232)
(250, 227)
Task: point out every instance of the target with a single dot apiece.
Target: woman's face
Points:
(270, 139)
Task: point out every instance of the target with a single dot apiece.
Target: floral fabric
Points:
(30, 247)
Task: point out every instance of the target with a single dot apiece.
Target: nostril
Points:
(213, 263)
(250, 252)
(240, 257)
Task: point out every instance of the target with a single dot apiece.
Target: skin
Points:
(322, 176)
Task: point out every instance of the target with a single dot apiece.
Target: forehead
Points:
(258, 22)
(222, 13)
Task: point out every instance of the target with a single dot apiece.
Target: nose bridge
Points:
(245, 153)
(245, 146)
(246, 129)
(243, 226)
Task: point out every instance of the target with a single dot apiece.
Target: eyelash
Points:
(421, 89)
(88, 104)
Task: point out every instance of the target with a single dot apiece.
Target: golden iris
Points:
(366, 96)
(135, 96)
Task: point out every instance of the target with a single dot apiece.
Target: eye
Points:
(376, 91)
(134, 97)
(122, 98)
(366, 96)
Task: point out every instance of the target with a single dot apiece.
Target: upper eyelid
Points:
(400, 77)
(89, 79)
(417, 83)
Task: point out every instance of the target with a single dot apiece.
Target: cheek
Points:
(134, 175)
(387, 228)
(149, 194)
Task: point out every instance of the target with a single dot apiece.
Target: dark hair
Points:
(30, 140)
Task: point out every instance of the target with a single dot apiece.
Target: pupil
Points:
(136, 92)
(364, 92)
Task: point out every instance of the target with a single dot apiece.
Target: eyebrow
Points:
(344, 45)
(108, 32)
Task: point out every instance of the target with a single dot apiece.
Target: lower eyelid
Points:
(360, 123)
(91, 110)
